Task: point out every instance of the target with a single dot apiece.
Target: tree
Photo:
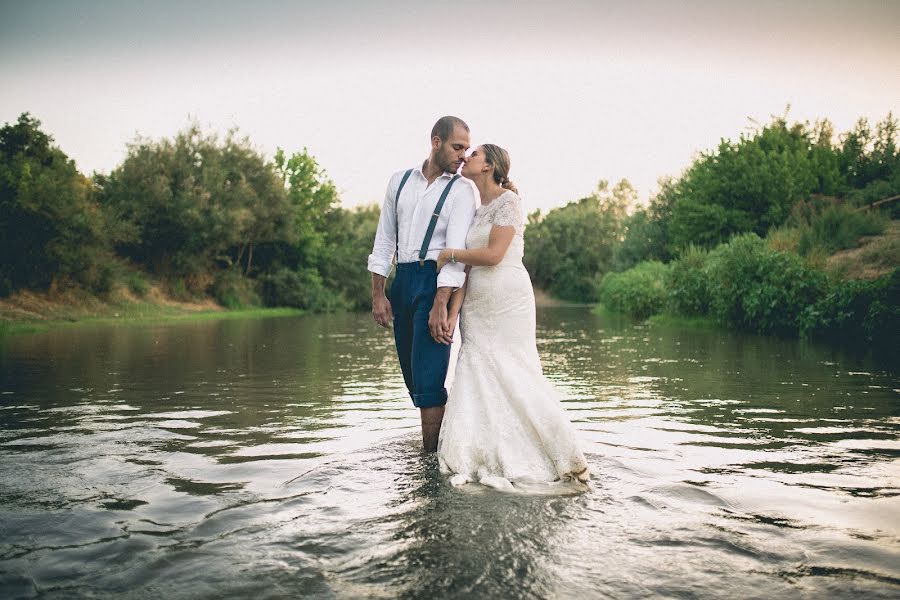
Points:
(752, 184)
(51, 230)
(187, 204)
(312, 197)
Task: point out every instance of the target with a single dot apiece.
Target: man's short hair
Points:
(445, 126)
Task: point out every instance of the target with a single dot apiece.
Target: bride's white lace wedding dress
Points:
(504, 422)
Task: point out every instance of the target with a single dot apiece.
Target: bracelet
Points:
(453, 256)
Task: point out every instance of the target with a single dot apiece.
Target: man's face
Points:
(451, 154)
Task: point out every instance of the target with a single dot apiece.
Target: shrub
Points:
(687, 283)
(567, 248)
(638, 292)
(178, 290)
(838, 227)
(822, 225)
(136, 283)
(755, 288)
(299, 289)
(784, 239)
(857, 312)
(233, 290)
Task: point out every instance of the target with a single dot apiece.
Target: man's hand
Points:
(437, 318)
(381, 310)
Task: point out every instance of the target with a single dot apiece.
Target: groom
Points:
(425, 210)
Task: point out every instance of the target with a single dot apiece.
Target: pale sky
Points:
(577, 91)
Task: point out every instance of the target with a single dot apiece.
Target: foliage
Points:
(861, 312)
(234, 291)
(210, 215)
(51, 230)
(688, 283)
(639, 291)
(834, 226)
(181, 206)
(756, 288)
(299, 289)
(312, 198)
(204, 215)
(866, 156)
(135, 283)
(347, 246)
(750, 185)
(570, 246)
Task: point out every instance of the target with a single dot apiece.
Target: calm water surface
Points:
(279, 458)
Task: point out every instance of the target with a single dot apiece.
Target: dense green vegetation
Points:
(742, 237)
(197, 215)
(570, 245)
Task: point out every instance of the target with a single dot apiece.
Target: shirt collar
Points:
(442, 175)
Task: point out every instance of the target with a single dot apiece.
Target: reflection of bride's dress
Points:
(504, 421)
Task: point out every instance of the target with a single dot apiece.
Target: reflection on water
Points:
(279, 458)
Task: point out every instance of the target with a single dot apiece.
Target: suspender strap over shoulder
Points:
(434, 218)
(397, 215)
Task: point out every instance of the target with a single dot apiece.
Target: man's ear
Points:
(435, 142)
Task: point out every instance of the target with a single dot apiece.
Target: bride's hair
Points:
(499, 159)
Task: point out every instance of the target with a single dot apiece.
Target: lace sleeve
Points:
(509, 212)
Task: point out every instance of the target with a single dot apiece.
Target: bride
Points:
(504, 422)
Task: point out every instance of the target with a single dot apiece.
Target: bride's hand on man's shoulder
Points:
(443, 258)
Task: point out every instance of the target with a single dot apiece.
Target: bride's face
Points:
(475, 164)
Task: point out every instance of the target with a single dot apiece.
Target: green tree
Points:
(185, 205)
(51, 230)
(752, 184)
(311, 197)
(566, 249)
(349, 241)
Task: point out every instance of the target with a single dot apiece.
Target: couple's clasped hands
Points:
(441, 323)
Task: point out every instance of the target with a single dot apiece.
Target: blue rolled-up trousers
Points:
(423, 361)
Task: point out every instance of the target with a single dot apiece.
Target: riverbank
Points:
(32, 312)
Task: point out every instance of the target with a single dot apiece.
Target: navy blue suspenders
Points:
(397, 215)
(434, 217)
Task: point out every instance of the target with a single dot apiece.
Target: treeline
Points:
(742, 237)
(197, 215)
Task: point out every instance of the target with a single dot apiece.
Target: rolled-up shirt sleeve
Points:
(386, 234)
(461, 215)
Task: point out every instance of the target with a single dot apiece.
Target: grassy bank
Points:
(682, 322)
(30, 312)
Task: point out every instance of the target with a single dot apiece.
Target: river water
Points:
(279, 458)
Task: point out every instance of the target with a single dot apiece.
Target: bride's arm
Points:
(488, 256)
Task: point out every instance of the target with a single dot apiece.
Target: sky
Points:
(576, 90)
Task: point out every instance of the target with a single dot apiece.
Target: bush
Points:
(233, 290)
(567, 248)
(838, 227)
(879, 190)
(861, 312)
(687, 283)
(136, 284)
(755, 288)
(784, 239)
(299, 289)
(638, 292)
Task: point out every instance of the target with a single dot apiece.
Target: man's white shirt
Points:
(417, 203)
